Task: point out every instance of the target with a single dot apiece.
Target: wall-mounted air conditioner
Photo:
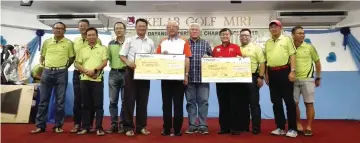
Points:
(96, 20)
(310, 18)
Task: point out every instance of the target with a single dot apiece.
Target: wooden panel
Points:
(16, 101)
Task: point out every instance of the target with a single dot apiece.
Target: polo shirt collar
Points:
(191, 40)
(280, 37)
(138, 37)
(97, 45)
(175, 38)
(62, 39)
(248, 45)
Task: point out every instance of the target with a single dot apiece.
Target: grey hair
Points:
(192, 25)
(173, 21)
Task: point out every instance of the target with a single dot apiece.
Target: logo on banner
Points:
(131, 20)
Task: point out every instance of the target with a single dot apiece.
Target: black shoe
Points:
(177, 134)
(165, 133)
(223, 132)
(255, 132)
(235, 132)
(112, 130)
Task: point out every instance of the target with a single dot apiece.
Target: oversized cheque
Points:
(158, 66)
(226, 70)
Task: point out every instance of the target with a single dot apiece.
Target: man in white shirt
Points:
(136, 91)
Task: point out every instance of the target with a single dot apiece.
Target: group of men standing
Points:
(287, 72)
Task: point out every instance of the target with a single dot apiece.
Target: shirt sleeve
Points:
(78, 58)
(238, 51)
(108, 52)
(158, 49)
(213, 52)
(105, 54)
(125, 48)
(71, 49)
(208, 48)
(260, 55)
(43, 49)
(314, 54)
(291, 46)
(187, 50)
(153, 49)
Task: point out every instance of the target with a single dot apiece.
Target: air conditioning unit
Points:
(96, 20)
(309, 18)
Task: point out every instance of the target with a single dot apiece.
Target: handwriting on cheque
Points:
(227, 68)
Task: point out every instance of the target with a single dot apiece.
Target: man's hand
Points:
(165, 52)
(186, 80)
(131, 65)
(90, 73)
(94, 76)
(317, 83)
(267, 80)
(260, 82)
(292, 76)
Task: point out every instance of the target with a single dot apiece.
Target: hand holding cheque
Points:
(172, 67)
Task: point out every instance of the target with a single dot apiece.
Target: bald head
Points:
(172, 28)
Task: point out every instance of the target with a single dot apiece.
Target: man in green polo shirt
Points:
(91, 61)
(116, 78)
(79, 43)
(280, 76)
(305, 85)
(257, 57)
(57, 54)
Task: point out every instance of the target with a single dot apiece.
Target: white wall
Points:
(17, 36)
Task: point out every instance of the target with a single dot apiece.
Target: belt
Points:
(55, 68)
(279, 67)
(119, 70)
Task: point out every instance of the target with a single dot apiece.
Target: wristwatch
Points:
(261, 77)
(187, 74)
(293, 70)
(318, 78)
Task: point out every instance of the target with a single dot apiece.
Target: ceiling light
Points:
(26, 2)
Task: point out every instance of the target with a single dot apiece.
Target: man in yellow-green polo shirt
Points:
(91, 61)
(280, 76)
(116, 78)
(79, 43)
(36, 73)
(305, 85)
(57, 54)
(257, 57)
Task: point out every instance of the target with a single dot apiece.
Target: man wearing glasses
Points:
(116, 78)
(257, 57)
(57, 54)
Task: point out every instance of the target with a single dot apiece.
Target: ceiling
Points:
(108, 6)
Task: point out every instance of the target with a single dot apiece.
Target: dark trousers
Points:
(281, 88)
(172, 92)
(233, 106)
(92, 98)
(52, 79)
(136, 91)
(255, 110)
(77, 100)
(116, 87)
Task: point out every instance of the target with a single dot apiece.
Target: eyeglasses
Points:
(244, 35)
(58, 28)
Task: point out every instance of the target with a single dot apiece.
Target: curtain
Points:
(35, 44)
